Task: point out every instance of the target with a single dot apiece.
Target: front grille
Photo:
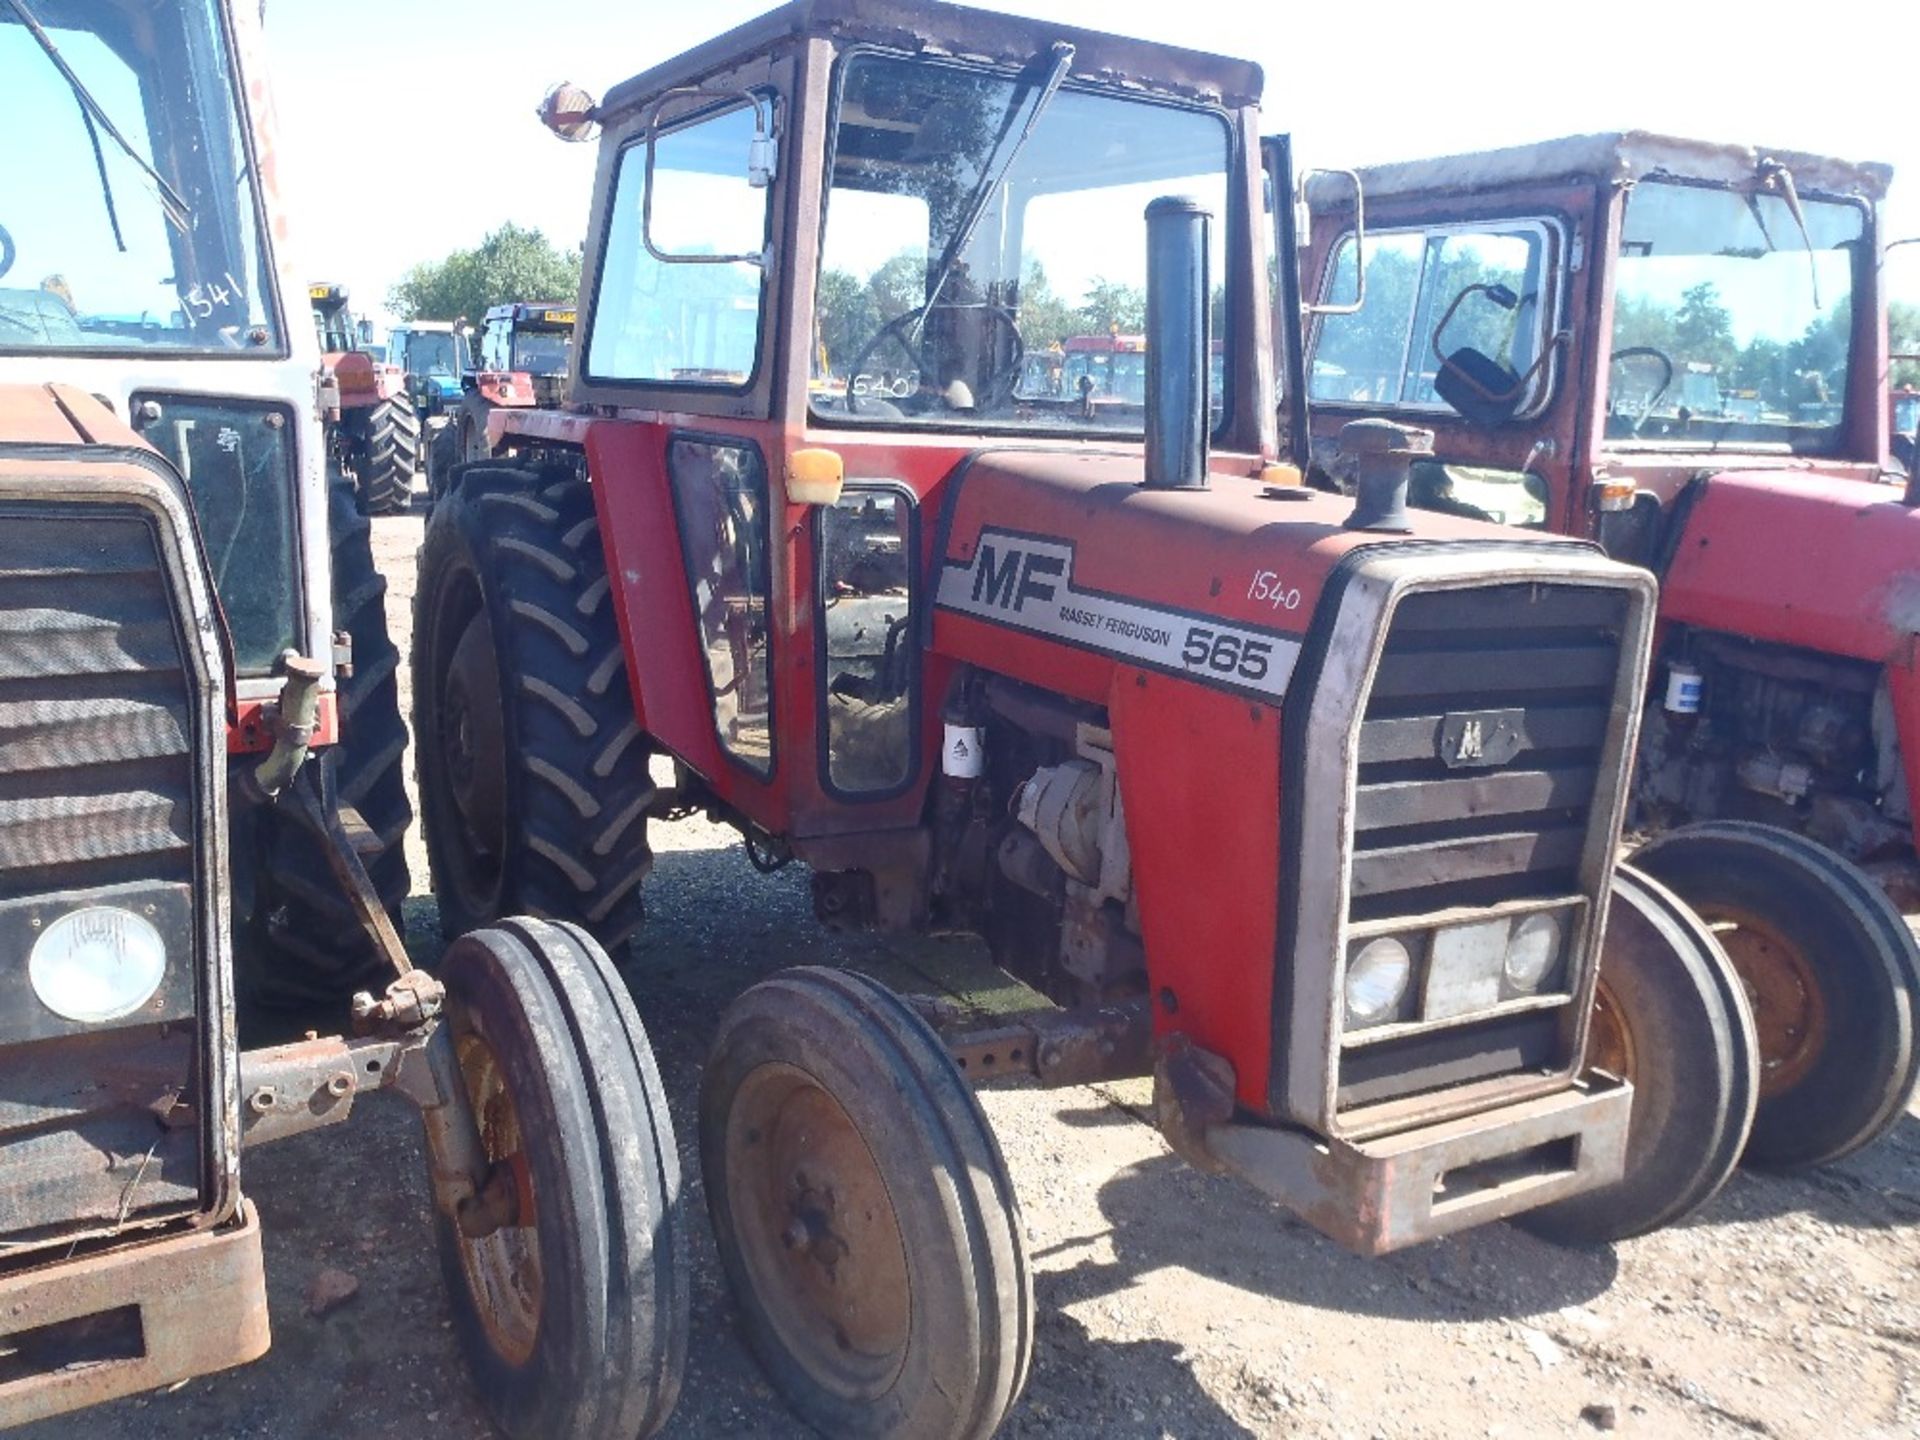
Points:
(1433, 829)
(96, 773)
(98, 787)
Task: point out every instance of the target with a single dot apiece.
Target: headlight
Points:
(96, 964)
(1533, 954)
(1377, 977)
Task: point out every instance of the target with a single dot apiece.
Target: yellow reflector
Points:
(814, 476)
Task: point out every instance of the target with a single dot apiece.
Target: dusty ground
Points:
(1171, 1304)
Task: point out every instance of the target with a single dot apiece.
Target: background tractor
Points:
(1309, 809)
(373, 430)
(1680, 350)
(437, 360)
(525, 355)
(200, 757)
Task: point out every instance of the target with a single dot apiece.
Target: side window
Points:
(1383, 354)
(869, 661)
(720, 500)
(683, 322)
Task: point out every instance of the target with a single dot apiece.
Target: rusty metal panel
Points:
(200, 1303)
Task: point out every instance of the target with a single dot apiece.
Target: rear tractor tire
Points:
(1671, 1018)
(393, 457)
(1832, 972)
(534, 786)
(865, 1219)
(305, 945)
(573, 1317)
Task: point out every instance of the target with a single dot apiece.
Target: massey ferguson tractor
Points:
(1307, 808)
(200, 760)
(526, 350)
(1679, 350)
(373, 430)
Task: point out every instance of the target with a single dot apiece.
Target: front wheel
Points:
(1671, 1018)
(864, 1215)
(573, 1317)
(1832, 972)
(393, 457)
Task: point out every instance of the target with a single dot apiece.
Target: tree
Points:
(511, 263)
(1113, 307)
(1903, 324)
(1702, 329)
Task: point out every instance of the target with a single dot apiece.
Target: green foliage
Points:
(1903, 324)
(1113, 308)
(511, 263)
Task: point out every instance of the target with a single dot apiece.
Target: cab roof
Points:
(1615, 157)
(961, 32)
(527, 310)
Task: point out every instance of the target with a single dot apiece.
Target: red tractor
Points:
(1679, 350)
(373, 427)
(524, 354)
(1307, 808)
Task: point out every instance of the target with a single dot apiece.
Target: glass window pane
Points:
(866, 597)
(720, 499)
(687, 323)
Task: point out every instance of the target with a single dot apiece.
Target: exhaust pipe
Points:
(1383, 455)
(1179, 309)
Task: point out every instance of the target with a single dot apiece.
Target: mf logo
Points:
(1468, 747)
(1011, 578)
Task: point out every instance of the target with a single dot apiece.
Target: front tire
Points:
(1831, 969)
(1672, 1019)
(573, 1318)
(534, 785)
(864, 1215)
(393, 457)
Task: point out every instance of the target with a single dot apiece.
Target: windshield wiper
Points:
(990, 180)
(171, 202)
(1777, 177)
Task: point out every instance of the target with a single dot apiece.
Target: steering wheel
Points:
(1635, 352)
(1003, 378)
(7, 252)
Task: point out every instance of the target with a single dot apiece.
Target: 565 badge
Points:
(1027, 582)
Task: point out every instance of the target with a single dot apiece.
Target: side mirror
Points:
(570, 112)
(762, 162)
(1307, 177)
(1481, 389)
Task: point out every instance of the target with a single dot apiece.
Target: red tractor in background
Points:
(373, 430)
(1309, 809)
(522, 358)
(1680, 350)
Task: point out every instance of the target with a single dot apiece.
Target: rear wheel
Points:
(534, 786)
(573, 1317)
(1832, 972)
(1671, 1018)
(393, 457)
(308, 945)
(864, 1215)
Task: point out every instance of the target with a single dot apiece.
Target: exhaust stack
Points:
(1383, 455)
(1179, 308)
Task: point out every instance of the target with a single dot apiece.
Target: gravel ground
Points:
(1170, 1303)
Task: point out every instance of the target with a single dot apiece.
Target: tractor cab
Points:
(525, 353)
(1589, 324)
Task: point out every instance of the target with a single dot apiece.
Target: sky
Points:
(408, 127)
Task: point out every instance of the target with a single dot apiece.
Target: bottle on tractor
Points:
(200, 753)
(525, 352)
(1308, 809)
(1680, 350)
(373, 431)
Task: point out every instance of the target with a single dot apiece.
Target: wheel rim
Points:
(472, 756)
(818, 1232)
(1609, 1040)
(1783, 987)
(502, 1269)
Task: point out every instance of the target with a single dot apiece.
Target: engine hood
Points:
(1072, 549)
(1811, 560)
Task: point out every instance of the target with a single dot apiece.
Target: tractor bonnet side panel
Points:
(1798, 559)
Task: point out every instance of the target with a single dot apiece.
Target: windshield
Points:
(1059, 251)
(95, 252)
(430, 352)
(1731, 326)
(541, 352)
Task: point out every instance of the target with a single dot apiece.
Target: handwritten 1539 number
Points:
(1226, 654)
